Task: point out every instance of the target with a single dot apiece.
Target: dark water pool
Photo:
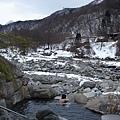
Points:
(70, 111)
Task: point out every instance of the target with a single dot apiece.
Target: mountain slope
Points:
(89, 20)
(96, 19)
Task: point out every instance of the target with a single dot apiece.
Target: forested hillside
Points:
(90, 20)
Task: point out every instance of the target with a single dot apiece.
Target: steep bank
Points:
(12, 89)
(6, 71)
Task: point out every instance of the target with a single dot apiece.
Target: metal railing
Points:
(9, 110)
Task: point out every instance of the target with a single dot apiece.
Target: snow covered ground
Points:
(107, 50)
(104, 50)
(97, 2)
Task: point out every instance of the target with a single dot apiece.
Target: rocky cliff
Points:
(12, 89)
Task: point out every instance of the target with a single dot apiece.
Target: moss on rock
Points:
(6, 71)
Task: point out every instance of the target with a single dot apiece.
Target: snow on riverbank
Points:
(36, 56)
(79, 78)
(104, 49)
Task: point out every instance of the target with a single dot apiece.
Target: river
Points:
(70, 111)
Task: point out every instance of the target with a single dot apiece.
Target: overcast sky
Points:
(34, 9)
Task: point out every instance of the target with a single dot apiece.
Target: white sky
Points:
(34, 9)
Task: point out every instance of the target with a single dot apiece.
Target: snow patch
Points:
(104, 49)
(96, 2)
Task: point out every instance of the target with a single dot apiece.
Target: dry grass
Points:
(112, 104)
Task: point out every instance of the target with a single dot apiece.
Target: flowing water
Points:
(70, 111)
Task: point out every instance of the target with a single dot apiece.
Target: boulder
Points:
(14, 90)
(89, 84)
(95, 90)
(20, 95)
(46, 115)
(86, 90)
(71, 96)
(117, 68)
(118, 89)
(80, 98)
(67, 66)
(77, 69)
(90, 94)
(2, 103)
(110, 117)
(42, 92)
(97, 105)
(104, 85)
(9, 88)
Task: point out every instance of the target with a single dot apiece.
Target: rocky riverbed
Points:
(94, 83)
(86, 81)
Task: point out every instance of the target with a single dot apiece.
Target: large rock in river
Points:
(110, 117)
(97, 105)
(46, 115)
(42, 91)
(80, 98)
